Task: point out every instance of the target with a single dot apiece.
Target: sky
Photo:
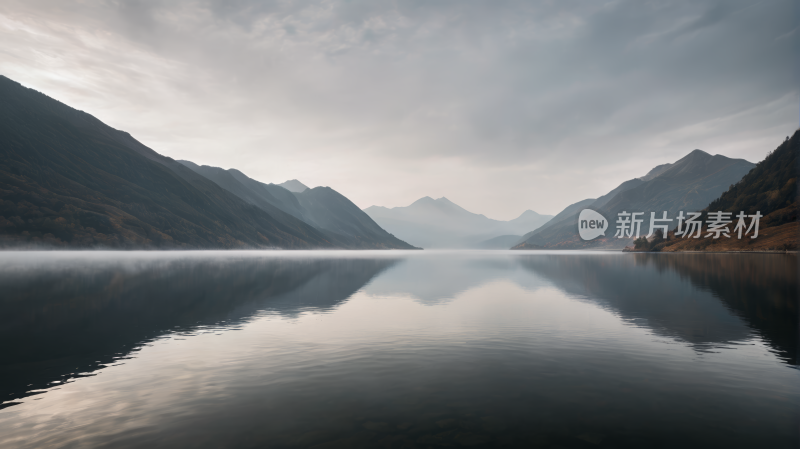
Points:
(500, 106)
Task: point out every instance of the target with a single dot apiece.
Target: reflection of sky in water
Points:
(635, 287)
(443, 276)
(241, 349)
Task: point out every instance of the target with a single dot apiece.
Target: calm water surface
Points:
(398, 350)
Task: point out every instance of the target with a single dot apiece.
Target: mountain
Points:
(526, 220)
(440, 223)
(689, 184)
(770, 189)
(341, 221)
(293, 185)
(575, 208)
(67, 179)
(499, 242)
(655, 172)
(344, 221)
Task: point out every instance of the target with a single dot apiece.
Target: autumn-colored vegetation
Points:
(771, 189)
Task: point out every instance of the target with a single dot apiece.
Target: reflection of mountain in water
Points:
(59, 322)
(760, 288)
(438, 279)
(689, 296)
(67, 318)
(703, 299)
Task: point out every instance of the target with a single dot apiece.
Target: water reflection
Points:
(65, 319)
(698, 298)
(439, 277)
(702, 299)
(399, 349)
(760, 288)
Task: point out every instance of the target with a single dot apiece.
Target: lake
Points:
(398, 349)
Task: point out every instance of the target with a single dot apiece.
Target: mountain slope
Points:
(264, 196)
(440, 223)
(689, 184)
(771, 189)
(563, 215)
(341, 221)
(293, 186)
(499, 242)
(334, 213)
(68, 179)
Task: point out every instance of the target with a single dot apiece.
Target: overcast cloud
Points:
(500, 106)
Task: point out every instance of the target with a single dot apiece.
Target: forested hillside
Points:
(771, 189)
(67, 179)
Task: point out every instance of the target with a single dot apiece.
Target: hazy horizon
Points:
(498, 109)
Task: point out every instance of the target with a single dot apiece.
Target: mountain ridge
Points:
(440, 223)
(294, 186)
(770, 189)
(67, 179)
(689, 183)
(323, 208)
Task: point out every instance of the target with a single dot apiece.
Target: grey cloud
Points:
(495, 84)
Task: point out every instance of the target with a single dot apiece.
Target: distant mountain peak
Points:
(529, 213)
(694, 156)
(294, 185)
(441, 223)
(434, 202)
(375, 207)
(423, 200)
(689, 183)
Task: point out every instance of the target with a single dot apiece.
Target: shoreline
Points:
(714, 252)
